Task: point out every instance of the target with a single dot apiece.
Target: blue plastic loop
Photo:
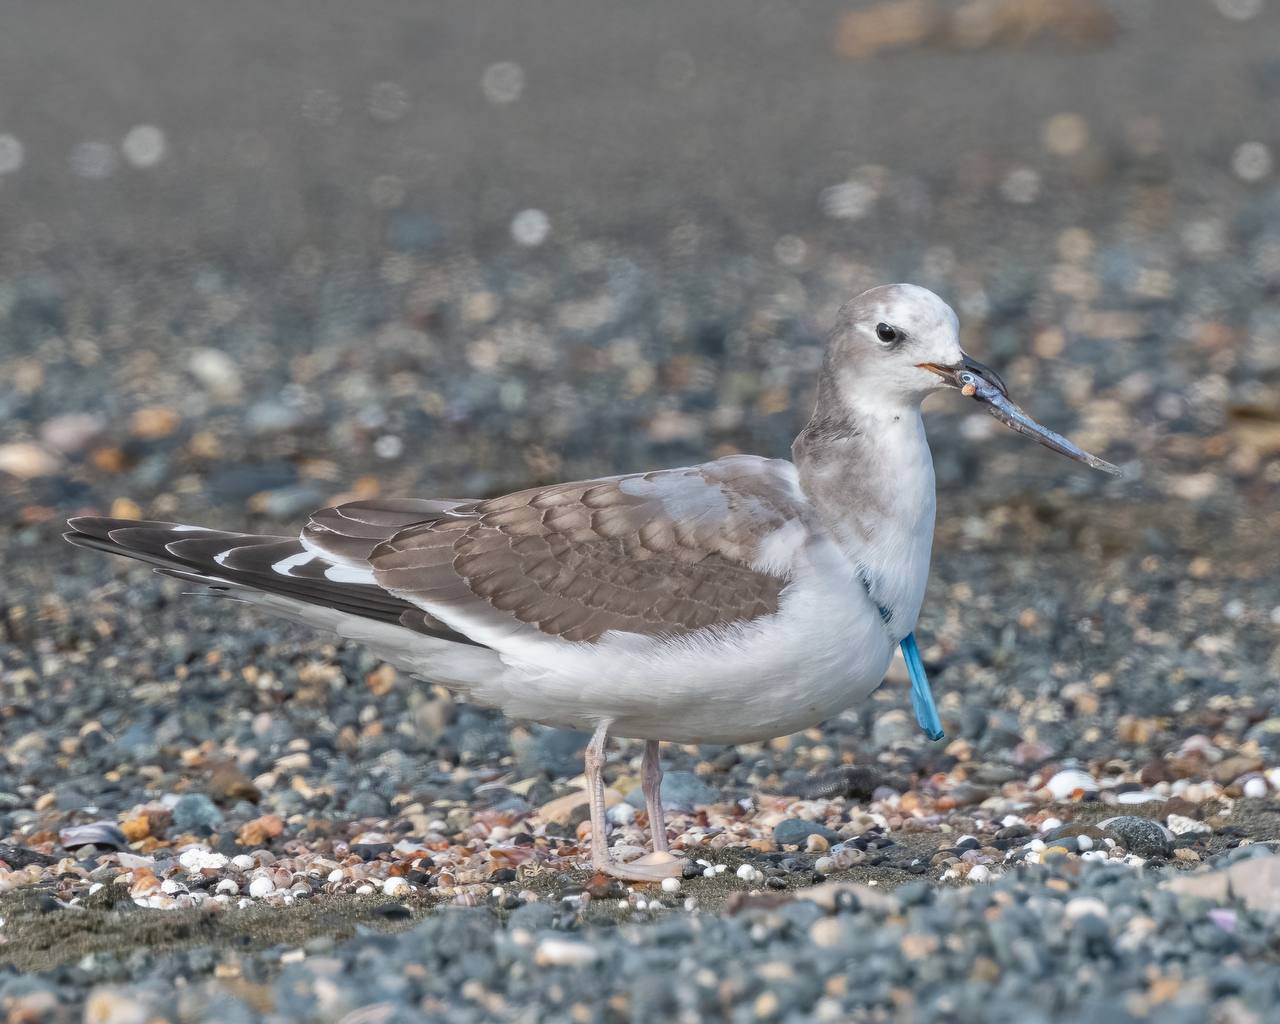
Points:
(921, 694)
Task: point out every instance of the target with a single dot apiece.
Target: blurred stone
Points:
(195, 810)
(217, 371)
(28, 461)
(154, 423)
(71, 432)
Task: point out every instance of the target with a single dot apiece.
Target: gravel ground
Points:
(259, 262)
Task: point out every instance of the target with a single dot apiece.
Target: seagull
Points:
(726, 602)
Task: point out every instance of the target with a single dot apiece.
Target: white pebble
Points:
(1252, 161)
(1083, 906)
(143, 145)
(530, 227)
(261, 886)
(671, 885)
(823, 865)
(747, 873)
(1255, 788)
(336, 875)
(394, 885)
(364, 890)
(621, 814)
(557, 952)
(979, 873)
(226, 887)
(1049, 824)
(242, 861)
(1084, 843)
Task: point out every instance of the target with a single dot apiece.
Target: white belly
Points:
(823, 651)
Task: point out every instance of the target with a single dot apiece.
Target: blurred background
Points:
(258, 256)
(255, 258)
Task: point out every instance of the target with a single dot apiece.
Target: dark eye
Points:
(886, 333)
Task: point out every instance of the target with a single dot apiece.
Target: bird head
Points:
(895, 345)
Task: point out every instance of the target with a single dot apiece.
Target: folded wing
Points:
(668, 553)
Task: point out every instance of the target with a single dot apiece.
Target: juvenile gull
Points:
(731, 601)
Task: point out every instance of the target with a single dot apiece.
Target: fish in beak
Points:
(984, 385)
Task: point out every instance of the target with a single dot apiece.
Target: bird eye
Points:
(886, 333)
(966, 378)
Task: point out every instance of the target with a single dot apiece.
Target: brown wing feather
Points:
(661, 553)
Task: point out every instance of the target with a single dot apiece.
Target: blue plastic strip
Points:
(921, 694)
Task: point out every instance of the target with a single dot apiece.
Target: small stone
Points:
(891, 728)
(394, 885)
(1231, 768)
(853, 782)
(561, 810)
(228, 784)
(71, 432)
(1255, 788)
(260, 830)
(28, 461)
(153, 423)
(1140, 836)
(671, 885)
(136, 829)
(681, 791)
(557, 952)
(1084, 906)
(108, 1005)
(796, 832)
(195, 810)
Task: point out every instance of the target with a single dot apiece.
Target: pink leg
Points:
(651, 783)
(656, 866)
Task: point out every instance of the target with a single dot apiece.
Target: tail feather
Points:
(255, 564)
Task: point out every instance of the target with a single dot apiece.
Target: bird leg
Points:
(651, 783)
(651, 868)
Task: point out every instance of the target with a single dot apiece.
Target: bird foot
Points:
(652, 867)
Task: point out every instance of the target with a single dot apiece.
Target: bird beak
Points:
(984, 385)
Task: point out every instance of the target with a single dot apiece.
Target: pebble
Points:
(796, 832)
(1140, 836)
(195, 811)
(556, 952)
